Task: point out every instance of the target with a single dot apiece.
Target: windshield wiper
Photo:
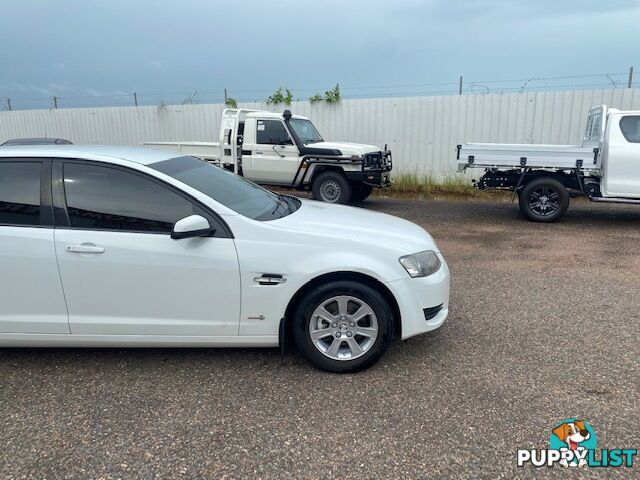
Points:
(281, 203)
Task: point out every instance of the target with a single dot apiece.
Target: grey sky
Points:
(83, 48)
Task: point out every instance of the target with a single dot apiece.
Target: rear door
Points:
(273, 158)
(622, 156)
(31, 298)
(122, 272)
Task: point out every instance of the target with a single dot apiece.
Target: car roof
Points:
(36, 141)
(104, 153)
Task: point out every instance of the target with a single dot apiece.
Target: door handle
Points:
(277, 152)
(84, 248)
(257, 153)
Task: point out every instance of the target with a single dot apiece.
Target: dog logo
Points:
(576, 436)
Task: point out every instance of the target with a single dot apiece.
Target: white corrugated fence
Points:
(422, 132)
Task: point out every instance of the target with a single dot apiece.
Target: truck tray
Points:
(504, 155)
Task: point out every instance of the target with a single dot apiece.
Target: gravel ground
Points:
(544, 326)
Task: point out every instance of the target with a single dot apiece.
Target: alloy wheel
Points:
(544, 201)
(343, 327)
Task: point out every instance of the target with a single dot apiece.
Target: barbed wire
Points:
(475, 87)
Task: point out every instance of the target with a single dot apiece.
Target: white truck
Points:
(604, 168)
(286, 150)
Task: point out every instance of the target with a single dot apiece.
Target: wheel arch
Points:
(567, 180)
(318, 169)
(334, 276)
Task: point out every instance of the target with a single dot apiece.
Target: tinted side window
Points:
(630, 127)
(20, 193)
(272, 132)
(106, 198)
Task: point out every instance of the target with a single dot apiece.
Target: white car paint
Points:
(75, 287)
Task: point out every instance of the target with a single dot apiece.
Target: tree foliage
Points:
(330, 96)
(281, 95)
(333, 95)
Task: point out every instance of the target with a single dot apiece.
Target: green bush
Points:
(279, 96)
(330, 96)
(333, 95)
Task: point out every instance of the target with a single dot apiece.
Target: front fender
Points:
(263, 306)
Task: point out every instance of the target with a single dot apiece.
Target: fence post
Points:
(630, 77)
(460, 86)
(55, 102)
(8, 104)
(135, 99)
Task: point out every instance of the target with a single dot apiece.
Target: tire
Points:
(360, 192)
(342, 343)
(331, 187)
(544, 200)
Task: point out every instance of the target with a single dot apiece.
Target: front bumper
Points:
(418, 299)
(376, 169)
(375, 178)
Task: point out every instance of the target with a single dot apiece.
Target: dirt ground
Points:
(544, 326)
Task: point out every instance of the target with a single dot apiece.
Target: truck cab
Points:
(620, 157)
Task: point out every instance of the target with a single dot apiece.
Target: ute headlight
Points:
(421, 264)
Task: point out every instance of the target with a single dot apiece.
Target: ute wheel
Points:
(361, 192)
(544, 200)
(342, 326)
(331, 187)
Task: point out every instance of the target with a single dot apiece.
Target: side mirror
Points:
(191, 226)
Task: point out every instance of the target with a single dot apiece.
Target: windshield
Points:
(232, 191)
(305, 130)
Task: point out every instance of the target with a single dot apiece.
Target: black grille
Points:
(373, 160)
(431, 312)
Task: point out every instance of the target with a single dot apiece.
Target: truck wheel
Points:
(361, 192)
(331, 187)
(544, 200)
(342, 326)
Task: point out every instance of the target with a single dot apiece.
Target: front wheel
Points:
(544, 200)
(331, 187)
(343, 326)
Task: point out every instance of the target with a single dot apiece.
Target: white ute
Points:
(286, 150)
(603, 168)
(114, 246)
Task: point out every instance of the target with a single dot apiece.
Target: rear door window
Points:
(104, 198)
(20, 193)
(630, 126)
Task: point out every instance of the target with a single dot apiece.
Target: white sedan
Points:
(113, 246)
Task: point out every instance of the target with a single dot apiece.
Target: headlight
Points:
(421, 264)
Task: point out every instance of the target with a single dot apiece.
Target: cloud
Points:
(105, 49)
